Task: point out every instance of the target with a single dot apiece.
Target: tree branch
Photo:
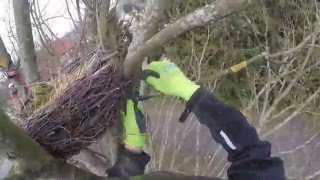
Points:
(200, 17)
(145, 28)
(276, 101)
(15, 140)
(302, 146)
(5, 57)
(259, 57)
(32, 158)
(102, 13)
(312, 176)
(79, 12)
(69, 12)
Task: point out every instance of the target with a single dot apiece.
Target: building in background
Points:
(62, 51)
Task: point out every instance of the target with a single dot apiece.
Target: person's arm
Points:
(250, 157)
(131, 160)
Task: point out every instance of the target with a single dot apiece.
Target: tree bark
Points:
(6, 63)
(79, 13)
(103, 14)
(145, 28)
(200, 17)
(26, 45)
(5, 58)
(33, 160)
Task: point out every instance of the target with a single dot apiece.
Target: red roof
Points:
(61, 46)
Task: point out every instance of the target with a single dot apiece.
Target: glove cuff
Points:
(135, 140)
(189, 89)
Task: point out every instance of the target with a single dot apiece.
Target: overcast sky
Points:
(50, 8)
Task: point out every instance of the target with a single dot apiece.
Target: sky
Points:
(50, 8)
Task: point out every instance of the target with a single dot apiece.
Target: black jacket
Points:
(249, 157)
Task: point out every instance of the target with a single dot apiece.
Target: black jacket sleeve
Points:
(128, 164)
(249, 156)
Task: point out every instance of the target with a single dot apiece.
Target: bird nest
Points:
(83, 110)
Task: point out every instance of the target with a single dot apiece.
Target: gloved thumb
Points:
(149, 73)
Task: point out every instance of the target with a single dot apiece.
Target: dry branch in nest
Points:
(87, 107)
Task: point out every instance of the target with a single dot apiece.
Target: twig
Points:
(68, 9)
(294, 114)
(238, 67)
(291, 84)
(197, 169)
(82, 35)
(79, 12)
(312, 176)
(298, 147)
(99, 27)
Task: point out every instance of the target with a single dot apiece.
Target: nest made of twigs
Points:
(85, 109)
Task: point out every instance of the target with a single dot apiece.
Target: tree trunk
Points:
(34, 161)
(5, 58)
(26, 45)
(102, 21)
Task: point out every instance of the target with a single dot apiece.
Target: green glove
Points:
(171, 80)
(134, 125)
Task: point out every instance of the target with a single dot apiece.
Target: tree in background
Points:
(26, 45)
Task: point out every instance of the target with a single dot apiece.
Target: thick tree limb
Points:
(198, 18)
(146, 27)
(33, 159)
(5, 58)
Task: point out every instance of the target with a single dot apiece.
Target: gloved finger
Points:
(152, 66)
(134, 113)
(149, 73)
(141, 120)
(132, 96)
(129, 108)
(149, 96)
(153, 81)
(155, 64)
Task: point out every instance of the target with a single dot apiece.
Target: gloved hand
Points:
(134, 125)
(170, 80)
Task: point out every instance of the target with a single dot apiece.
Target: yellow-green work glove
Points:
(134, 125)
(170, 80)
